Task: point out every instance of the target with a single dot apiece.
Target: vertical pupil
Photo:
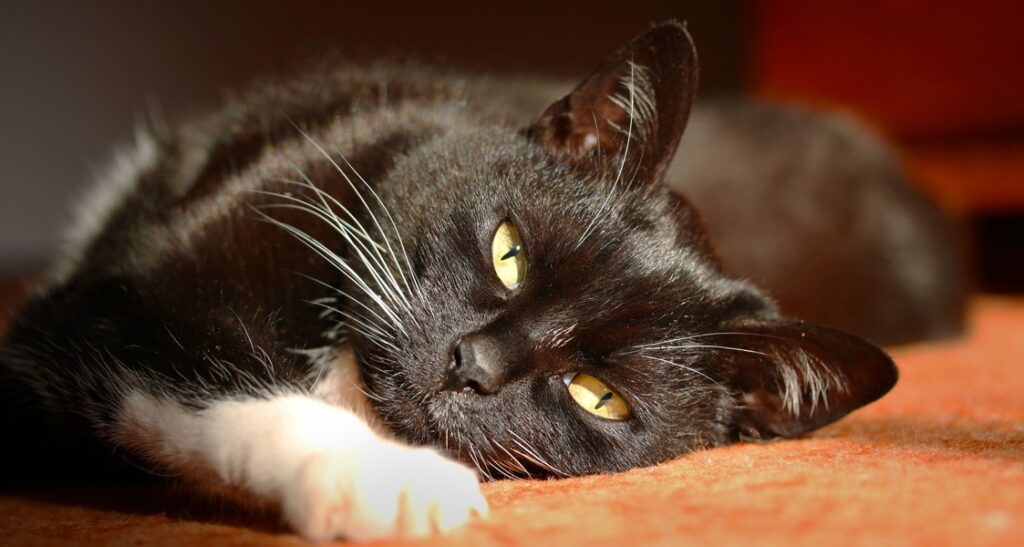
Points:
(508, 256)
(604, 400)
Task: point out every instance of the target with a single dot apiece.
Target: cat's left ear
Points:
(629, 114)
(790, 377)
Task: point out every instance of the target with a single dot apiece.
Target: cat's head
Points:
(561, 312)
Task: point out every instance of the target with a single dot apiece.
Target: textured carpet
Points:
(939, 461)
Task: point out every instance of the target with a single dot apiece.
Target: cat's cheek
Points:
(382, 490)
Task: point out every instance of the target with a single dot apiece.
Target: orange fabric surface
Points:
(939, 461)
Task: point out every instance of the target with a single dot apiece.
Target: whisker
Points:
(303, 205)
(380, 320)
(328, 310)
(478, 462)
(390, 219)
(532, 455)
(497, 465)
(622, 165)
(339, 263)
(391, 288)
(307, 239)
(352, 185)
(706, 346)
(707, 334)
(682, 366)
(324, 198)
(515, 460)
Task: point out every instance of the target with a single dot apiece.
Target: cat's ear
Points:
(629, 114)
(789, 377)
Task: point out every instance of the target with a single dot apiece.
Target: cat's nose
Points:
(478, 363)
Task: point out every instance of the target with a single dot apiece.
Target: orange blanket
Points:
(938, 461)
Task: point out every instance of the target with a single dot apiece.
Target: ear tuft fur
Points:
(795, 377)
(629, 114)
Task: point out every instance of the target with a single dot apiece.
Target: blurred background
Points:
(943, 79)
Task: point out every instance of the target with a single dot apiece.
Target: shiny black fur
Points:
(194, 288)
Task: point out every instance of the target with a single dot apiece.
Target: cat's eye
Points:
(508, 255)
(596, 397)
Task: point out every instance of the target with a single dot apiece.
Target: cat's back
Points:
(814, 208)
(806, 205)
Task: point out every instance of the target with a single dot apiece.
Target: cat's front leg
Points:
(381, 489)
(332, 475)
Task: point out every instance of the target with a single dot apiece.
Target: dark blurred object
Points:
(14, 288)
(999, 257)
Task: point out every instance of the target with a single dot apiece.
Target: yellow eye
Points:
(508, 255)
(596, 397)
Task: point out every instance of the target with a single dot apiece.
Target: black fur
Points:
(195, 290)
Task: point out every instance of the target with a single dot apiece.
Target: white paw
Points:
(382, 490)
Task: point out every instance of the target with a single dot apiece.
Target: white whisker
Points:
(703, 346)
(394, 226)
(340, 264)
(391, 288)
(532, 454)
(682, 366)
(355, 190)
(622, 165)
(380, 320)
(515, 460)
(303, 205)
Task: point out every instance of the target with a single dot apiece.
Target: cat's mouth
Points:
(450, 420)
(472, 427)
(403, 409)
(457, 424)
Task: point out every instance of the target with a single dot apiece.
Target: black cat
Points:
(286, 298)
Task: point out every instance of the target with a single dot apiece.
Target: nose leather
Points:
(479, 364)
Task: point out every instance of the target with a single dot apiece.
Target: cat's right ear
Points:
(790, 377)
(629, 114)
